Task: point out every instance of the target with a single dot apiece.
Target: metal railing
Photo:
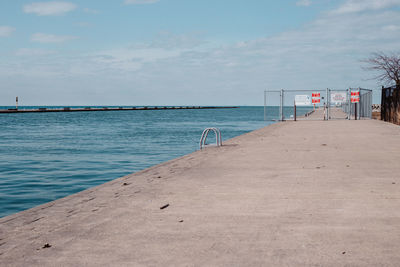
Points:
(218, 137)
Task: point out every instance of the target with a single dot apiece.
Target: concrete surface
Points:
(319, 114)
(306, 193)
(337, 113)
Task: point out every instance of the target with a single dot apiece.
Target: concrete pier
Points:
(305, 193)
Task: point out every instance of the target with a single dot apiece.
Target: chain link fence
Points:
(363, 109)
(281, 105)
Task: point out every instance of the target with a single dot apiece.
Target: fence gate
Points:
(338, 104)
(283, 105)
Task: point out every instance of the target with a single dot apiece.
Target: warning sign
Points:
(316, 95)
(338, 97)
(316, 98)
(302, 100)
(355, 96)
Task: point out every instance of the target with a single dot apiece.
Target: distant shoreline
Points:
(105, 108)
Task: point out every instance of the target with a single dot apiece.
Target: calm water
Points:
(45, 156)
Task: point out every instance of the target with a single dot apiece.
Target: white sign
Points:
(302, 100)
(338, 97)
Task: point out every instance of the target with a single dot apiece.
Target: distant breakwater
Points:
(69, 109)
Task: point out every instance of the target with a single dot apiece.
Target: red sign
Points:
(316, 98)
(355, 96)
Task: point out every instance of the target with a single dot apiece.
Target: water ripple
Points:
(45, 156)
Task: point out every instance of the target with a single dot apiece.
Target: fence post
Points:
(355, 110)
(382, 103)
(370, 105)
(327, 103)
(359, 104)
(265, 105)
(281, 105)
(349, 103)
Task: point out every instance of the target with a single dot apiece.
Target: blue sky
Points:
(182, 52)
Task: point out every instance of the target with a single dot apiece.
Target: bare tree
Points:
(387, 65)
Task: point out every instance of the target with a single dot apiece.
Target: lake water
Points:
(46, 156)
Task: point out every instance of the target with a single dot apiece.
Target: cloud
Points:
(304, 3)
(353, 6)
(6, 31)
(91, 11)
(50, 38)
(391, 28)
(54, 8)
(169, 40)
(323, 53)
(83, 24)
(137, 2)
(30, 52)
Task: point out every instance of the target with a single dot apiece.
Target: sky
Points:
(187, 52)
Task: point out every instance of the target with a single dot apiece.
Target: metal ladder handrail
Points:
(218, 137)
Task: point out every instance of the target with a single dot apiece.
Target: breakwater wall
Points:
(71, 109)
